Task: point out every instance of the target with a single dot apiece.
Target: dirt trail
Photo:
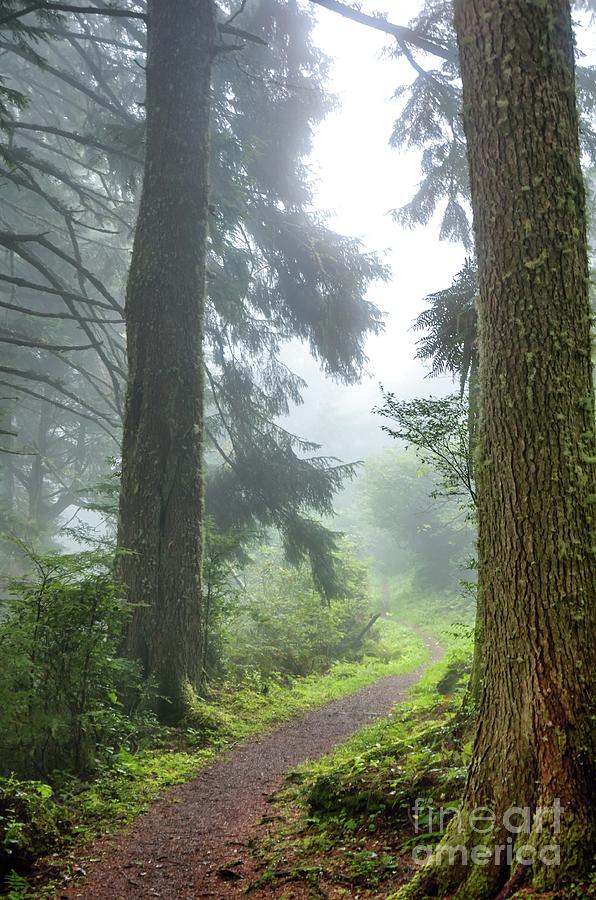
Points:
(194, 842)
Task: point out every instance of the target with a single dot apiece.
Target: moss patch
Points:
(348, 816)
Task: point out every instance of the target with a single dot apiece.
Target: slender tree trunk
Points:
(534, 746)
(37, 507)
(8, 479)
(161, 505)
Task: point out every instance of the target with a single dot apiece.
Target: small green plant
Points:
(30, 823)
(17, 887)
(369, 867)
(60, 699)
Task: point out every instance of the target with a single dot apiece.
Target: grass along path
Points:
(192, 842)
(71, 816)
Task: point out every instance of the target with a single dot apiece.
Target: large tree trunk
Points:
(536, 484)
(161, 505)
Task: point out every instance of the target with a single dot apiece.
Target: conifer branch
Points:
(400, 32)
(69, 8)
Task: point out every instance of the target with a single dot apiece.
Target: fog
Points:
(360, 179)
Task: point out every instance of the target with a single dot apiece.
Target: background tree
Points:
(444, 431)
(160, 529)
(438, 429)
(276, 272)
(426, 538)
(63, 369)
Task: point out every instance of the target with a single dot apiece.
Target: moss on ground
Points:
(348, 816)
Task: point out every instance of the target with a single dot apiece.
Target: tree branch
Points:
(69, 295)
(13, 338)
(9, 240)
(19, 452)
(400, 32)
(24, 311)
(37, 377)
(79, 35)
(48, 6)
(72, 136)
(75, 83)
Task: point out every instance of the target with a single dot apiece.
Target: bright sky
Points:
(360, 179)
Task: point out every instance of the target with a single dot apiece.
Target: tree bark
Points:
(37, 506)
(534, 745)
(475, 683)
(161, 504)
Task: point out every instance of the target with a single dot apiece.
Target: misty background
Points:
(359, 180)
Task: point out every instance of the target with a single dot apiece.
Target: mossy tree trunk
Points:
(161, 504)
(475, 683)
(534, 745)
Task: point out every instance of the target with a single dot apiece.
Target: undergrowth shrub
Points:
(281, 626)
(30, 824)
(207, 722)
(60, 696)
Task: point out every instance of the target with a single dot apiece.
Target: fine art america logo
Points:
(515, 822)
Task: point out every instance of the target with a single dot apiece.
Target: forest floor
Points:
(196, 841)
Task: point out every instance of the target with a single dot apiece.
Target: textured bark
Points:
(536, 482)
(161, 505)
(475, 683)
(477, 672)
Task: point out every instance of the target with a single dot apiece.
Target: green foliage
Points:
(12, 100)
(438, 428)
(252, 701)
(414, 753)
(30, 824)
(448, 616)
(430, 119)
(36, 819)
(17, 887)
(60, 700)
(431, 538)
(264, 616)
(275, 699)
(224, 553)
(126, 786)
(450, 320)
(281, 625)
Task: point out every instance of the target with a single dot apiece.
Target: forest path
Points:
(195, 841)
